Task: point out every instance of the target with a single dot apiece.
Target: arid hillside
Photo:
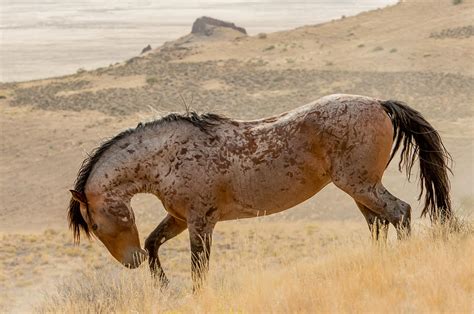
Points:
(418, 51)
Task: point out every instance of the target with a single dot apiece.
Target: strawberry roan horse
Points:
(208, 168)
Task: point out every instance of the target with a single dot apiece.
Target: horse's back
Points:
(271, 164)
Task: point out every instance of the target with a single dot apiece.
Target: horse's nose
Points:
(135, 259)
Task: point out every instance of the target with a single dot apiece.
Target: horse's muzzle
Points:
(134, 258)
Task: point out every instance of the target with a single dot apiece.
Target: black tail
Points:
(420, 139)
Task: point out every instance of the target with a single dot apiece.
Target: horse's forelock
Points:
(76, 221)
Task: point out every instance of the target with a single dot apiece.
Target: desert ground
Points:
(316, 257)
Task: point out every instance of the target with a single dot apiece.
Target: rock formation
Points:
(206, 25)
(146, 49)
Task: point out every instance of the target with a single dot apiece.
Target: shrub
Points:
(269, 48)
(151, 80)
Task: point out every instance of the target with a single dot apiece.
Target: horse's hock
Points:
(206, 26)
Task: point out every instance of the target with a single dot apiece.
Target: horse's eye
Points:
(94, 227)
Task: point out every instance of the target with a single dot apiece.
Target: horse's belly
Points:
(263, 202)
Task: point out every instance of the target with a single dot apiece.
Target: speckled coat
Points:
(209, 168)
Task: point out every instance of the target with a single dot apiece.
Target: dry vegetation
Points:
(316, 257)
(305, 268)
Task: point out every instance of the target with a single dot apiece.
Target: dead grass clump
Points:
(457, 227)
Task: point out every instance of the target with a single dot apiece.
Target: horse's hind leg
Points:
(378, 226)
(383, 203)
(167, 229)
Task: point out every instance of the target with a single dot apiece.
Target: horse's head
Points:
(111, 221)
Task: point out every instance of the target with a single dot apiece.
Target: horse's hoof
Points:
(164, 283)
(160, 282)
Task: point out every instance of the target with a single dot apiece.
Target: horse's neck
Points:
(131, 166)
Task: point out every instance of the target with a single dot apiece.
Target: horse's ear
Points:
(79, 196)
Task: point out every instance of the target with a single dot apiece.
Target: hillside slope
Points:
(417, 51)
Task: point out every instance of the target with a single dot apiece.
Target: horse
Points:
(207, 168)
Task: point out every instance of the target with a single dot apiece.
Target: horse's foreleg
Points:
(200, 236)
(378, 226)
(167, 229)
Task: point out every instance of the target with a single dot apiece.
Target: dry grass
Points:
(292, 267)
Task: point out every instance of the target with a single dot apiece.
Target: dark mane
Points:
(76, 222)
(202, 121)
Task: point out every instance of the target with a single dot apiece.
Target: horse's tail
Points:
(419, 139)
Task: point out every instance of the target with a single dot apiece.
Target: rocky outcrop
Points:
(206, 26)
(146, 49)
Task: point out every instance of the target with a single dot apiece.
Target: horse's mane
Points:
(76, 222)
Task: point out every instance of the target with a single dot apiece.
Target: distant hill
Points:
(417, 51)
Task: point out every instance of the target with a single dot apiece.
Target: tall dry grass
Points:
(278, 267)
